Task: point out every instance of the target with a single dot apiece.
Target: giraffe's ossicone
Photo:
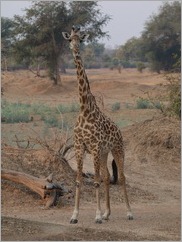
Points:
(94, 133)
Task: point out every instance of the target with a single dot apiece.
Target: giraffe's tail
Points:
(114, 177)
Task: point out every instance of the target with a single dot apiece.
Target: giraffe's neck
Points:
(87, 100)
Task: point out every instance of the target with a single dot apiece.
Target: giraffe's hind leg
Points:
(106, 179)
(98, 218)
(119, 158)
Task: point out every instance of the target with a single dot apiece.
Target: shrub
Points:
(51, 121)
(15, 112)
(158, 105)
(174, 95)
(142, 103)
(116, 106)
(19, 112)
(140, 66)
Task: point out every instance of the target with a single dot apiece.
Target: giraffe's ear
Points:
(84, 37)
(66, 35)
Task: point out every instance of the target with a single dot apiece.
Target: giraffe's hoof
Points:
(98, 221)
(73, 221)
(105, 217)
(130, 216)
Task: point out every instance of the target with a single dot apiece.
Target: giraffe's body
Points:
(96, 134)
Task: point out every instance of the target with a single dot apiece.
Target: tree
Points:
(92, 54)
(131, 52)
(6, 40)
(162, 37)
(39, 32)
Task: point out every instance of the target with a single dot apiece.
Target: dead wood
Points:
(45, 187)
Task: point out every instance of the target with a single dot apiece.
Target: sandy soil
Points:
(152, 169)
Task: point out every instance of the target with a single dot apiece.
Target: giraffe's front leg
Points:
(74, 218)
(98, 218)
(79, 157)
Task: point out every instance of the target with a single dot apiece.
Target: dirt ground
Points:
(152, 167)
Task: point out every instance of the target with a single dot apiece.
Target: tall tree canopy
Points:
(38, 34)
(7, 26)
(160, 42)
(162, 37)
(131, 52)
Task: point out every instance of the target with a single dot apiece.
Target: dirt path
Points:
(152, 222)
(155, 201)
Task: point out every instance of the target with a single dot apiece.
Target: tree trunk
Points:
(44, 187)
(57, 77)
(38, 70)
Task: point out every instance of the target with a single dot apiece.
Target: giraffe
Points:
(96, 134)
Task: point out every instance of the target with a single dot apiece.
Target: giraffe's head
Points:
(75, 38)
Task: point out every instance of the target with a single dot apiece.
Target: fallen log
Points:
(43, 186)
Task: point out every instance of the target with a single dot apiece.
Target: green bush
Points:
(19, 112)
(142, 103)
(174, 95)
(15, 112)
(158, 105)
(116, 106)
(140, 66)
(51, 121)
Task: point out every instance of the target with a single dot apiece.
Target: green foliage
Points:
(158, 105)
(130, 52)
(39, 33)
(159, 42)
(92, 55)
(115, 62)
(140, 66)
(116, 106)
(6, 41)
(19, 112)
(128, 64)
(142, 103)
(147, 103)
(51, 121)
(162, 37)
(15, 112)
(170, 98)
(174, 95)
